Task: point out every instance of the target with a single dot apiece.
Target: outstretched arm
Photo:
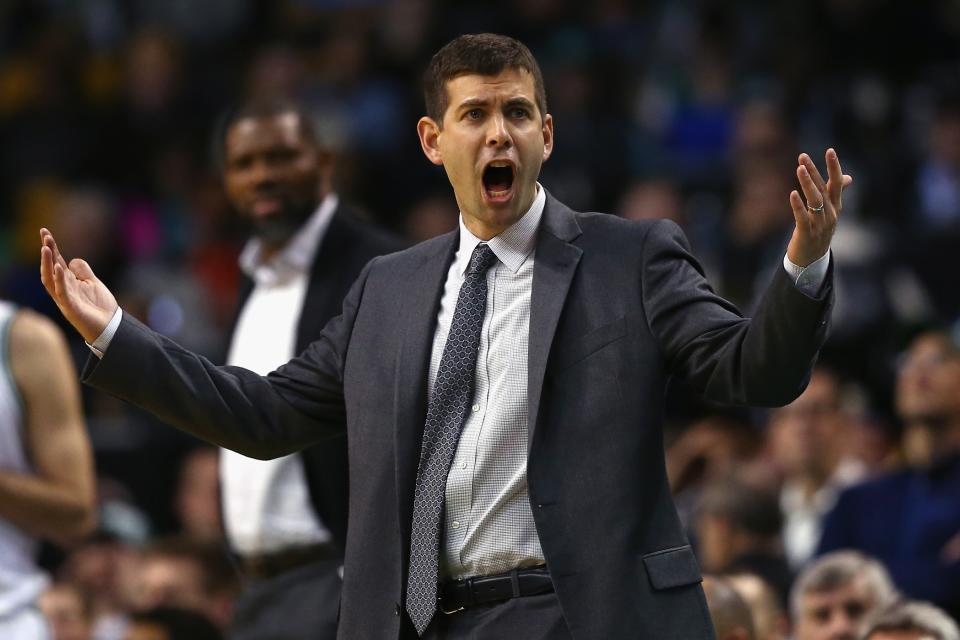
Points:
(259, 416)
(56, 501)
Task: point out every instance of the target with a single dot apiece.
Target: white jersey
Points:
(21, 581)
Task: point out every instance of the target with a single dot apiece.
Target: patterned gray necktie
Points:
(452, 393)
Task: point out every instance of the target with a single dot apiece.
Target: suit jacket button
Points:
(396, 609)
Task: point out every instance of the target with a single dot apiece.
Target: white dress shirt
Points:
(266, 503)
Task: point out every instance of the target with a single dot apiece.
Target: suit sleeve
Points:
(763, 361)
(299, 404)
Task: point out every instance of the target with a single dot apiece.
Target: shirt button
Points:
(456, 525)
(476, 408)
(463, 465)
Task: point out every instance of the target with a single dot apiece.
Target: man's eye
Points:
(519, 113)
(474, 114)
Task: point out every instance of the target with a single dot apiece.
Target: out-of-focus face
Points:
(809, 433)
(167, 581)
(836, 614)
(198, 495)
(492, 142)
(274, 175)
(929, 382)
(63, 608)
(146, 631)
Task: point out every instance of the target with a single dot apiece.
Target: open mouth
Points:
(498, 181)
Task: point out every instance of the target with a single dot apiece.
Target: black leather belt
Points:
(460, 594)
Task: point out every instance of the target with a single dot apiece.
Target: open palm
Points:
(83, 300)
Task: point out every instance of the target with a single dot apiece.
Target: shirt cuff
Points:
(99, 346)
(809, 279)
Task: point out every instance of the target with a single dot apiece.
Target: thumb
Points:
(81, 269)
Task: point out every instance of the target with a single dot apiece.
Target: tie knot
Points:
(482, 259)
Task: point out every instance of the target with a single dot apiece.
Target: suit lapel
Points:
(417, 317)
(556, 263)
(322, 300)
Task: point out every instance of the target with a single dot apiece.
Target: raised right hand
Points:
(83, 300)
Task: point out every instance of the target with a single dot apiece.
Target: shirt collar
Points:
(511, 246)
(297, 256)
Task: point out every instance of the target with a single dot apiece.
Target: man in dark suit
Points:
(501, 386)
(286, 518)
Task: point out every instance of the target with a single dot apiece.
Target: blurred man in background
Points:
(46, 467)
(738, 530)
(910, 621)
(910, 519)
(68, 611)
(286, 518)
(807, 439)
(731, 617)
(183, 573)
(770, 621)
(833, 596)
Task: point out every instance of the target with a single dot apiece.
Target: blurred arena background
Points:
(689, 110)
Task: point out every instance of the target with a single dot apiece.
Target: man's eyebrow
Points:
(473, 102)
(519, 101)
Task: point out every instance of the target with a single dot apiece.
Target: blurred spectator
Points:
(770, 621)
(651, 200)
(286, 518)
(197, 497)
(105, 568)
(729, 612)
(182, 573)
(910, 519)
(46, 467)
(738, 530)
(835, 593)
(168, 623)
(808, 441)
(68, 611)
(910, 621)
(708, 449)
(928, 398)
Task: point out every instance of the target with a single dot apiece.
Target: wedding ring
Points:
(815, 209)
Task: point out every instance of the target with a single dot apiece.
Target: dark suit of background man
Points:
(286, 518)
(547, 337)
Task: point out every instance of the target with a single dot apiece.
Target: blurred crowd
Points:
(690, 110)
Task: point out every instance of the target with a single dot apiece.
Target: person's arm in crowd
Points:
(56, 500)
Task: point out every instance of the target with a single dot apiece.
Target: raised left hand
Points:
(817, 212)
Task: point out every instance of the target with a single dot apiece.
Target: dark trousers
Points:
(528, 618)
(299, 604)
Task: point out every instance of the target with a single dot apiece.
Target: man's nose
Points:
(497, 133)
(842, 628)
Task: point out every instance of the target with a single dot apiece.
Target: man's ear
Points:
(547, 136)
(429, 132)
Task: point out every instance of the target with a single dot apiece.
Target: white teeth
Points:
(499, 164)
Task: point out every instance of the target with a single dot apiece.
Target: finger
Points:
(59, 283)
(49, 241)
(835, 185)
(807, 161)
(81, 269)
(812, 194)
(46, 269)
(799, 211)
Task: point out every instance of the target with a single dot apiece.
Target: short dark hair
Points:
(484, 54)
(259, 108)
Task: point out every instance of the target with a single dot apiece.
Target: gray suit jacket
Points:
(617, 307)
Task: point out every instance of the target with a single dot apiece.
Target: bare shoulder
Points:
(35, 345)
(33, 334)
